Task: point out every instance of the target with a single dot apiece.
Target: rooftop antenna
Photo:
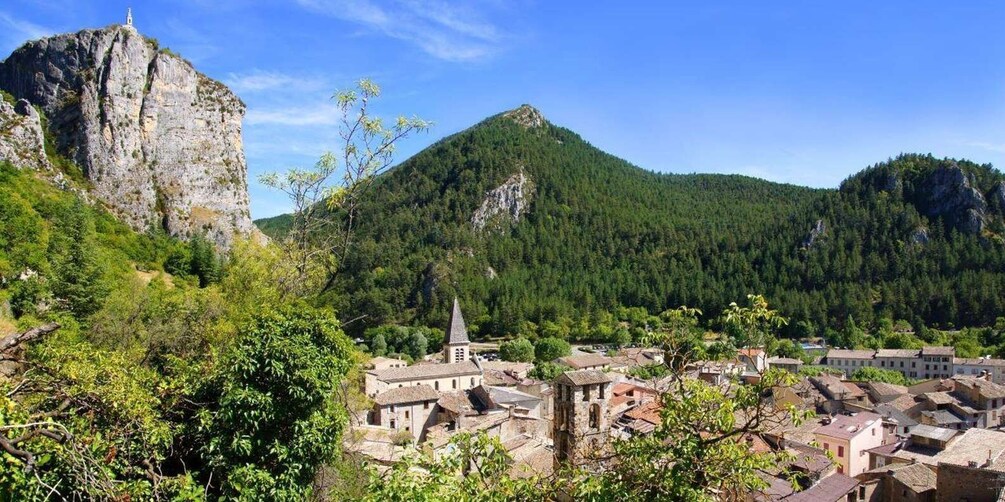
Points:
(129, 16)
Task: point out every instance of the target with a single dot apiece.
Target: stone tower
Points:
(456, 347)
(582, 422)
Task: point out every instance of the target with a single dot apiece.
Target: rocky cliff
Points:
(159, 142)
(22, 142)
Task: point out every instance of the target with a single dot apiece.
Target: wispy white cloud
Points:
(259, 80)
(18, 31)
(326, 114)
(986, 145)
(446, 31)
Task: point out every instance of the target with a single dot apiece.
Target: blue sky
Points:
(802, 92)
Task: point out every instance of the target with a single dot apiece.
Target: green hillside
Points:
(599, 233)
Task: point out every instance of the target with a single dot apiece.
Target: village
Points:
(938, 439)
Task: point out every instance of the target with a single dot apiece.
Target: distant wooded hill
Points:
(582, 232)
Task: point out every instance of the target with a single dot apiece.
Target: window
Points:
(400, 385)
(455, 382)
(926, 367)
(406, 413)
(840, 451)
(425, 405)
(394, 424)
(873, 433)
(392, 408)
(600, 391)
(472, 381)
(595, 416)
(827, 446)
(882, 363)
(912, 364)
(902, 364)
(586, 393)
(436, 385)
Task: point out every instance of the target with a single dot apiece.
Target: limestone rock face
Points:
(950, 193)
(996, 197)
(22, 142)
(160, 142)
(508, 202)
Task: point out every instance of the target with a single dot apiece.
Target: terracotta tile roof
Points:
(583, 377)
(410, 394)
(458, 403)
(931, 432)
(938, 351)
(988, 390)
(848, 426)
(903, 403)
(777, 488)
(942, 418)
(507, 366)
(808, 458)
(784, 360)
(938, 398)
(496, 377)
(850, 354)
(648, 412)
(978, 445)
(750, 352)
(887, 449)
(886, 389)
(830, 489)
(917, 477)
(427, 371)
(979, 361)
(901, 353)
(585, 361)
(833, 388)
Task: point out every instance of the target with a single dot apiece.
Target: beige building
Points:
(938, 362)
(848, 437)
(978, 366)
(383, 363)
(902, 360)
(586, 362)
(410, 409)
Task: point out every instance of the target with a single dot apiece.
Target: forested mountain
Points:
(528, 223)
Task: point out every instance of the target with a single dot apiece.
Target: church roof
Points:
(457, 332)
(427, 372)
(410, 394)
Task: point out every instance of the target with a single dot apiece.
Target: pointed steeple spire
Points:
(457, 332)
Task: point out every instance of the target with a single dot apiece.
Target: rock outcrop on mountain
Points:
(159, 142)
(22, 142)
(505, 203)
(950, 193)
(527, 116)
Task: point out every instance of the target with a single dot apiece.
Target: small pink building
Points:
(848, 437)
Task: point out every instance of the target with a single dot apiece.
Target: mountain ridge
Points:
(598, 233)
